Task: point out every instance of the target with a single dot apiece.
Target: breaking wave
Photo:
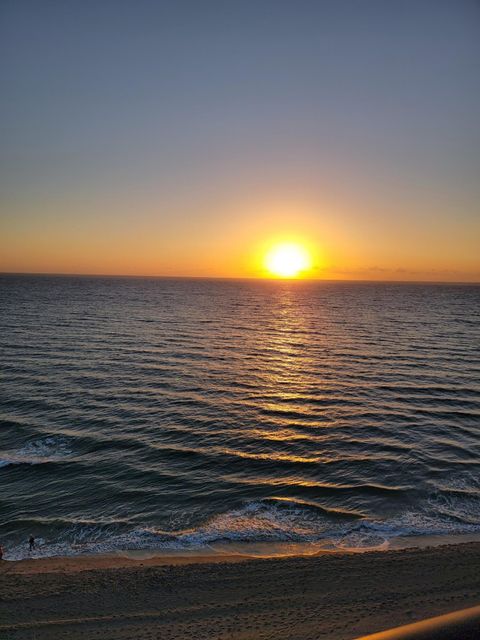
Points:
(270, 521)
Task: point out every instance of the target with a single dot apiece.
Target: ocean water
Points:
(171, 415)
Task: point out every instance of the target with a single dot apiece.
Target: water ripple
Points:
(149, 413)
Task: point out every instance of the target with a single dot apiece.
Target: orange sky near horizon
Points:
(233, 241)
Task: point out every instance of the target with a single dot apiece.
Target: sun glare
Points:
(288, 260)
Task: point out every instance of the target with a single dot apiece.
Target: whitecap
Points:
(40, 451)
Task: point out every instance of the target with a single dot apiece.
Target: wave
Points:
(49, 449)
(270, 521)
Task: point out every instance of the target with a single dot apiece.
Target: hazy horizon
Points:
(237, 278)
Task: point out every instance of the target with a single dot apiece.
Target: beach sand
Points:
(329, 596)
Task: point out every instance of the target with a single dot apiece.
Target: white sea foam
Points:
(40, 451)
(264, 522)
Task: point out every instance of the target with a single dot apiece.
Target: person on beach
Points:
(31, 543)
(1, 552)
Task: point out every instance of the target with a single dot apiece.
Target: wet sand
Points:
(328, 597)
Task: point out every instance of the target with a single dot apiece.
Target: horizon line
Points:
(249, 278)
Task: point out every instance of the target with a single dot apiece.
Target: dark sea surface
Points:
(171, 415)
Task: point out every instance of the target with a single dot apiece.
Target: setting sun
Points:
(288, 260)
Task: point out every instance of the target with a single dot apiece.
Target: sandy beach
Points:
(330, 596)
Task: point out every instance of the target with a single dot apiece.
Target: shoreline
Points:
(219, 553)
(335, 596)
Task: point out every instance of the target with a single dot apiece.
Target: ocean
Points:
(190, 416)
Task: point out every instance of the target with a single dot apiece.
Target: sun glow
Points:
(288, 260)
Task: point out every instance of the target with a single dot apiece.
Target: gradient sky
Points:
(182, 137)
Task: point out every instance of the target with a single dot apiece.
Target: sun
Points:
(288, 260)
